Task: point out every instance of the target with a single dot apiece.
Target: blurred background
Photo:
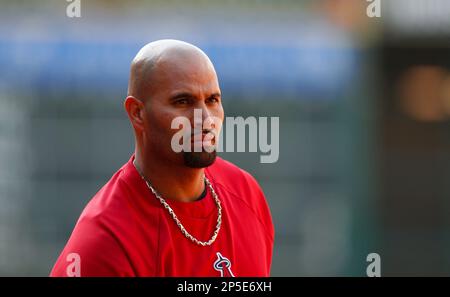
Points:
(364, 108)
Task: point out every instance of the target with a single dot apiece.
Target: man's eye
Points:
(182, 101)
(213, 100)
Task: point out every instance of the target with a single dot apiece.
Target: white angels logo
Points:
(223, 265)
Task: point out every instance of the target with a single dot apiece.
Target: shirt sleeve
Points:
(261, 208)
(90, 252)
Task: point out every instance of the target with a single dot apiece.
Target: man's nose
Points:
(202, 116)
(208, 119)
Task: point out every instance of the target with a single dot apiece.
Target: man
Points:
(169, 213)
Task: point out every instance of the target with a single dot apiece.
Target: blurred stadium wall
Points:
(362, 169)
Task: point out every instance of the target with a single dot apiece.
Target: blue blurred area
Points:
(272, 71)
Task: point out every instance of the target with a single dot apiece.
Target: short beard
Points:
(199, 159)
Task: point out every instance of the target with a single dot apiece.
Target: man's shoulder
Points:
(107, 200)
(230, 175)
(120, 198)
(242, 186)
(115, 204)
(237, 182)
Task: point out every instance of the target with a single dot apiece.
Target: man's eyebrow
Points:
(183, 95)
(214, 95)
(187, 95)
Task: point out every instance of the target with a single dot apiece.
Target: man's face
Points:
(179, 86)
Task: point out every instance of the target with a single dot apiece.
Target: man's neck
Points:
(179, 183)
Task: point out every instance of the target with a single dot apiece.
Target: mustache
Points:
(204, 132)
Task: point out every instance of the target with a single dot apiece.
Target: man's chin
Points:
(199, 159)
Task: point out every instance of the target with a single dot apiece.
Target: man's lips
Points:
(203, 140)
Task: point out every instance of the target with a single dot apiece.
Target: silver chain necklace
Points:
(177, 221)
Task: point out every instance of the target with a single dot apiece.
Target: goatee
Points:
(199, 159)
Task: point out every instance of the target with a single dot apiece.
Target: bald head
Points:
(160, 58)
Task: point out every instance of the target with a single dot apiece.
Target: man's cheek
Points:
(180, 134)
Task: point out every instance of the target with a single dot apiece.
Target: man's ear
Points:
(135, 109)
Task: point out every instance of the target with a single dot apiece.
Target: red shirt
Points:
(125, 231)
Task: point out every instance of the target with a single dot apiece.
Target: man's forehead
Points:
(194, 89)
